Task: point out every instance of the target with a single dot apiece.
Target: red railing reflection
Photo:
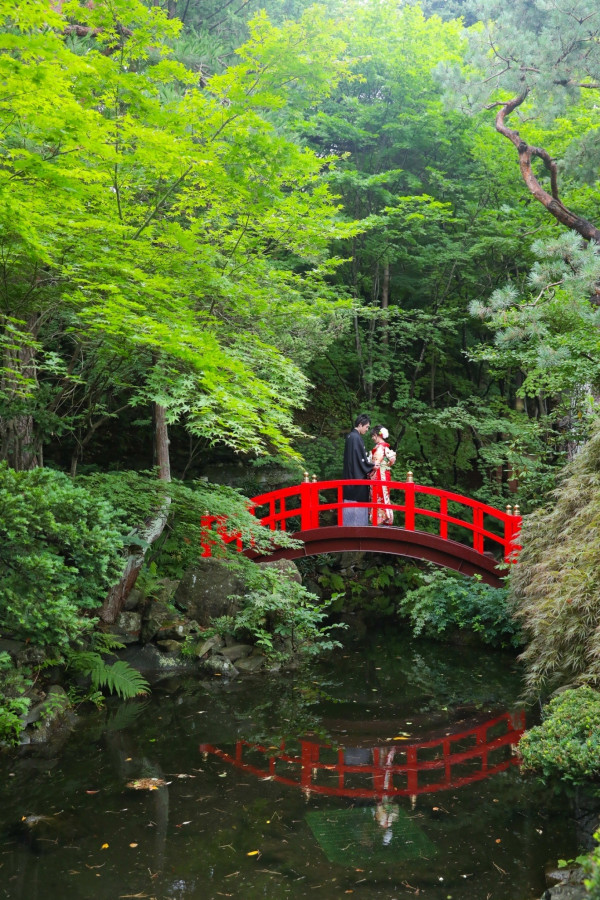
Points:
(390, 770)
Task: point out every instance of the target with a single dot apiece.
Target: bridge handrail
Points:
(309, 508)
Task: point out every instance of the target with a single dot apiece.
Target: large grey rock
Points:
(52, 706)
(213, 643)
(204, 590)
(569, 875)
(128, 627)
(170, 646)
(219, 665)
(566, 892)
(133, 599)
(287, 567)
(13, 647)
(237, 651)
(177, 630)
(250, 664)
(149, 659)
(157, 616)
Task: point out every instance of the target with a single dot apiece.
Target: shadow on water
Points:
(386, 771)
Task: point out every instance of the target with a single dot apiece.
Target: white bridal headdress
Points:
(384, 433)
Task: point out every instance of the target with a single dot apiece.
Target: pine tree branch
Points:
(551, 201)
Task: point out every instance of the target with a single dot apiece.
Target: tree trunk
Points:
(153, 529)
(526, 152)
(385, 300)
(19, 446)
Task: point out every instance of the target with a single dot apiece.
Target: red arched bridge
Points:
(431, 524)
(387, 771)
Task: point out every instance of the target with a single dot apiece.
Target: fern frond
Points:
(120, 678)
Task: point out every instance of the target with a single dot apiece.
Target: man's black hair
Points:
(362, 420)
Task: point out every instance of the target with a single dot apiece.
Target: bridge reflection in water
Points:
(391, 770)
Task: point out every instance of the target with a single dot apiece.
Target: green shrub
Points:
(13, 702)
(279, 615)
(591, 867)
(567, 743)
(60, 552)
(556, 584)
(446, 601)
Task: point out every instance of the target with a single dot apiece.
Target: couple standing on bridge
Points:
(375, 465)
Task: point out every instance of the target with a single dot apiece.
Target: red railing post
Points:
(478, 529)
(309, 508)
(409, 503)
(444, 517)
(305, 511)
(512, 527)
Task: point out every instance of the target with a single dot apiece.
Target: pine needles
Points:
(556, 584)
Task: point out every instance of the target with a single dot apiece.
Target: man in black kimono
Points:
(356, 466)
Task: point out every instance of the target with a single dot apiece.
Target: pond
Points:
(386, 771)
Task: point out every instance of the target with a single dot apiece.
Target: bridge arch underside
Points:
(396, 542)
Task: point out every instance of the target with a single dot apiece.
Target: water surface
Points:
(386, 771)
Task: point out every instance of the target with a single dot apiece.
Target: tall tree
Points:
(157, 228)
(536, 61)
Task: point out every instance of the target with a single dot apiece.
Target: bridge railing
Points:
(450, 515)
(397, 770)
(416, 507)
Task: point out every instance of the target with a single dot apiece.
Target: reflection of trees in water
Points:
(288, 708)
(427, 670)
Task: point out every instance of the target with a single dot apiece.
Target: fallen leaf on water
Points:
(498, 841)
(104, 847)
(93, 792)
(133, 845)
(401, 737)
(146, 784)
(253, 853)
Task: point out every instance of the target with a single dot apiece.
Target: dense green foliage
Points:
(556, 584)
(172, 220)
(60, 551)
(567, 743)
(446, 602)
(279, 615)
(13, 702)
(591, 868)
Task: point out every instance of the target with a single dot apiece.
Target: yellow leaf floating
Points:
(253, 853)
(104, 847)
(146, 784)
(402, 737)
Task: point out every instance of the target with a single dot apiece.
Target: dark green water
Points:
(217, 829)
